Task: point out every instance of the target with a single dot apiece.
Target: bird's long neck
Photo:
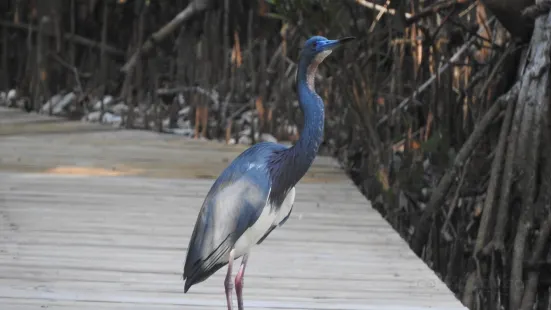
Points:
(295, 161)
(311, 104)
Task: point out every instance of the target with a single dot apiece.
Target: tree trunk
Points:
(519, 182)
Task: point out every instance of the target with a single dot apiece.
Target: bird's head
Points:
(317, 48)
(313, 53)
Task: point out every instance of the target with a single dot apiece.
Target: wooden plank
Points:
(133, 153)
(97, 242)
(23, 304)
(102, 220)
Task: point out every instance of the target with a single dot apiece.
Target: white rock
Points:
(181, 99)
(107, 118)
(247, 116)
(51, 103)
(110, 118)
(107, 100)
(244, 140)
(119, 108)
(266, 137)
(292, 129)
(182, 131)
(245, 132)
(12, 95)
(92, 116)
(63, 103)
(184, 111)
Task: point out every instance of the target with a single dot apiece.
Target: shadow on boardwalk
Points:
(100, 219)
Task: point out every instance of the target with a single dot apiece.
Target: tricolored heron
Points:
(255, 193)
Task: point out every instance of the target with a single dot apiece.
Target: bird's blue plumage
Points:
(233, 204)
(250, 192)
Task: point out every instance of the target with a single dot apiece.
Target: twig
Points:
(42, 73)
(476, 34)
(67, 36)
(73, 69)
(455, 198)
(191, 9)
(262, 87)
(250, 46)
(441, 70)
(239, 111)
(228, 85)
(435, 8)
(5, 40)
(425, 85)
(378, 17)
(532, 281)
(103, 58)
(423, 228)
(211, 94)
(494, 71)
(379, 8)
(72, 47)
(484, 227)
(495, 174)
(505, 189)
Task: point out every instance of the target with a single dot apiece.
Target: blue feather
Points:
(214, 235)
(261, 176)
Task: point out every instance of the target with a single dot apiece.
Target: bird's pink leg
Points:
(239, 282)
(228, 284)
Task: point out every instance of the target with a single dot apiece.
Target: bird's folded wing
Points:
(233, 204)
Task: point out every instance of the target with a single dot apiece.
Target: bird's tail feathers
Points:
(197, 270)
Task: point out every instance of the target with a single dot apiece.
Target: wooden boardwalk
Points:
(96, 219)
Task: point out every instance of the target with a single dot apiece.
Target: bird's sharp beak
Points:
(346, 39)
(332, 44)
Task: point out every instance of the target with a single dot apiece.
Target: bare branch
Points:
(422, 229)
(425, 85)
(379, 8)
(67, 36)
(191, 9)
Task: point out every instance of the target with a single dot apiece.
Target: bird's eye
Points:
(315, 44)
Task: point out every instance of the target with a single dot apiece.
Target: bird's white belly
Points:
(265, 221)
